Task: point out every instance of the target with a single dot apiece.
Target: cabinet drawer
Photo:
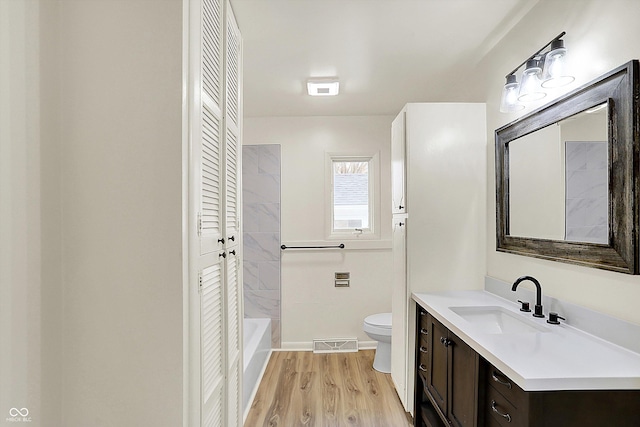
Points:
(505, 386)
(502, 411)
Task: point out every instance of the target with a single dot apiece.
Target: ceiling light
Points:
(323, 87)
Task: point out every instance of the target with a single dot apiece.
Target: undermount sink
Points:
(497, 320)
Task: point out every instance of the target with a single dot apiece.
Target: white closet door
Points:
(211, 177)
(398, 164)
(211, 343)
(232, 111)
(208, 389)
(399, 308)
(233, 284)
(216, 307)
(234, 338)
(210, 221)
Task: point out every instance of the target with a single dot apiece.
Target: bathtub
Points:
(256, 350)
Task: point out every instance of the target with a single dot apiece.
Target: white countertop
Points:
(559, 358)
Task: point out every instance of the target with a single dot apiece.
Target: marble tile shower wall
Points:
(261, 235)
(587, 200)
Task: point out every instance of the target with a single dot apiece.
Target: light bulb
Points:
(555, 67)
(530, 85)
(509, 101)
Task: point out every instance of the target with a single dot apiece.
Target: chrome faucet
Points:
(537, 312)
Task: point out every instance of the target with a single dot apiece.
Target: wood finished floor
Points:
(322, 390)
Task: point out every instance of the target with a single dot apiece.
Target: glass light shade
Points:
(530, 86)
(555, 67)
(509, 101)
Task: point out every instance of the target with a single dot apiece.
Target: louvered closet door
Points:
(233, 113)
(234, 318)
(212, 344)
(212, 133)
(216, 309)
(207, 145)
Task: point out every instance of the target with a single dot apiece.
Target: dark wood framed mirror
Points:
(567, 177)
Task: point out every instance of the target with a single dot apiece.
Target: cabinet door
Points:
(398, 164)
(207, 120)
(462, 395)
(232, 122)
(234, 360)
(212, 344)
(437, 369)
(399, 309)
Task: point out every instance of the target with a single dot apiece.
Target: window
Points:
(353, 183)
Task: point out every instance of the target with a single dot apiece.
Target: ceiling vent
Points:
(323, 87)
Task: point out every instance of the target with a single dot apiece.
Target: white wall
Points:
(601, 35)
(311, 306)
(121, 82)
(90, 211)
(21, 260)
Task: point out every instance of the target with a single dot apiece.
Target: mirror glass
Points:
(558, 180)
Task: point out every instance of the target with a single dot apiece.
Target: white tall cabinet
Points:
(215, 294)
(438, 155)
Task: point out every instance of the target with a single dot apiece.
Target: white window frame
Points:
(373, 232)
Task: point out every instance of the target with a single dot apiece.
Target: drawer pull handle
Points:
(446, 341)
(423, 331)
(505, 416)
(422, 367)
(423, 349)
(497, 379)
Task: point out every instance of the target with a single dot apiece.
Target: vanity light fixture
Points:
(323, 87)
(541, 71)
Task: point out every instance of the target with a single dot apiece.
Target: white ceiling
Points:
(385, 52)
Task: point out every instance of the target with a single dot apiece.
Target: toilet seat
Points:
(380, 320)
(378, 324)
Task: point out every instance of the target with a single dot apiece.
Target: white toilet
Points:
(378, 327)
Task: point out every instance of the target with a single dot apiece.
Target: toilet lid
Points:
(381, 320)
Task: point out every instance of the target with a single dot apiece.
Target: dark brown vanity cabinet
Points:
(456, 386)
(448, 376)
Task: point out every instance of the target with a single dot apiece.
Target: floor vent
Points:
(339, 345)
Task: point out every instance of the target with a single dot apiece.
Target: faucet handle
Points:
(525, 306)
(553, 318)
